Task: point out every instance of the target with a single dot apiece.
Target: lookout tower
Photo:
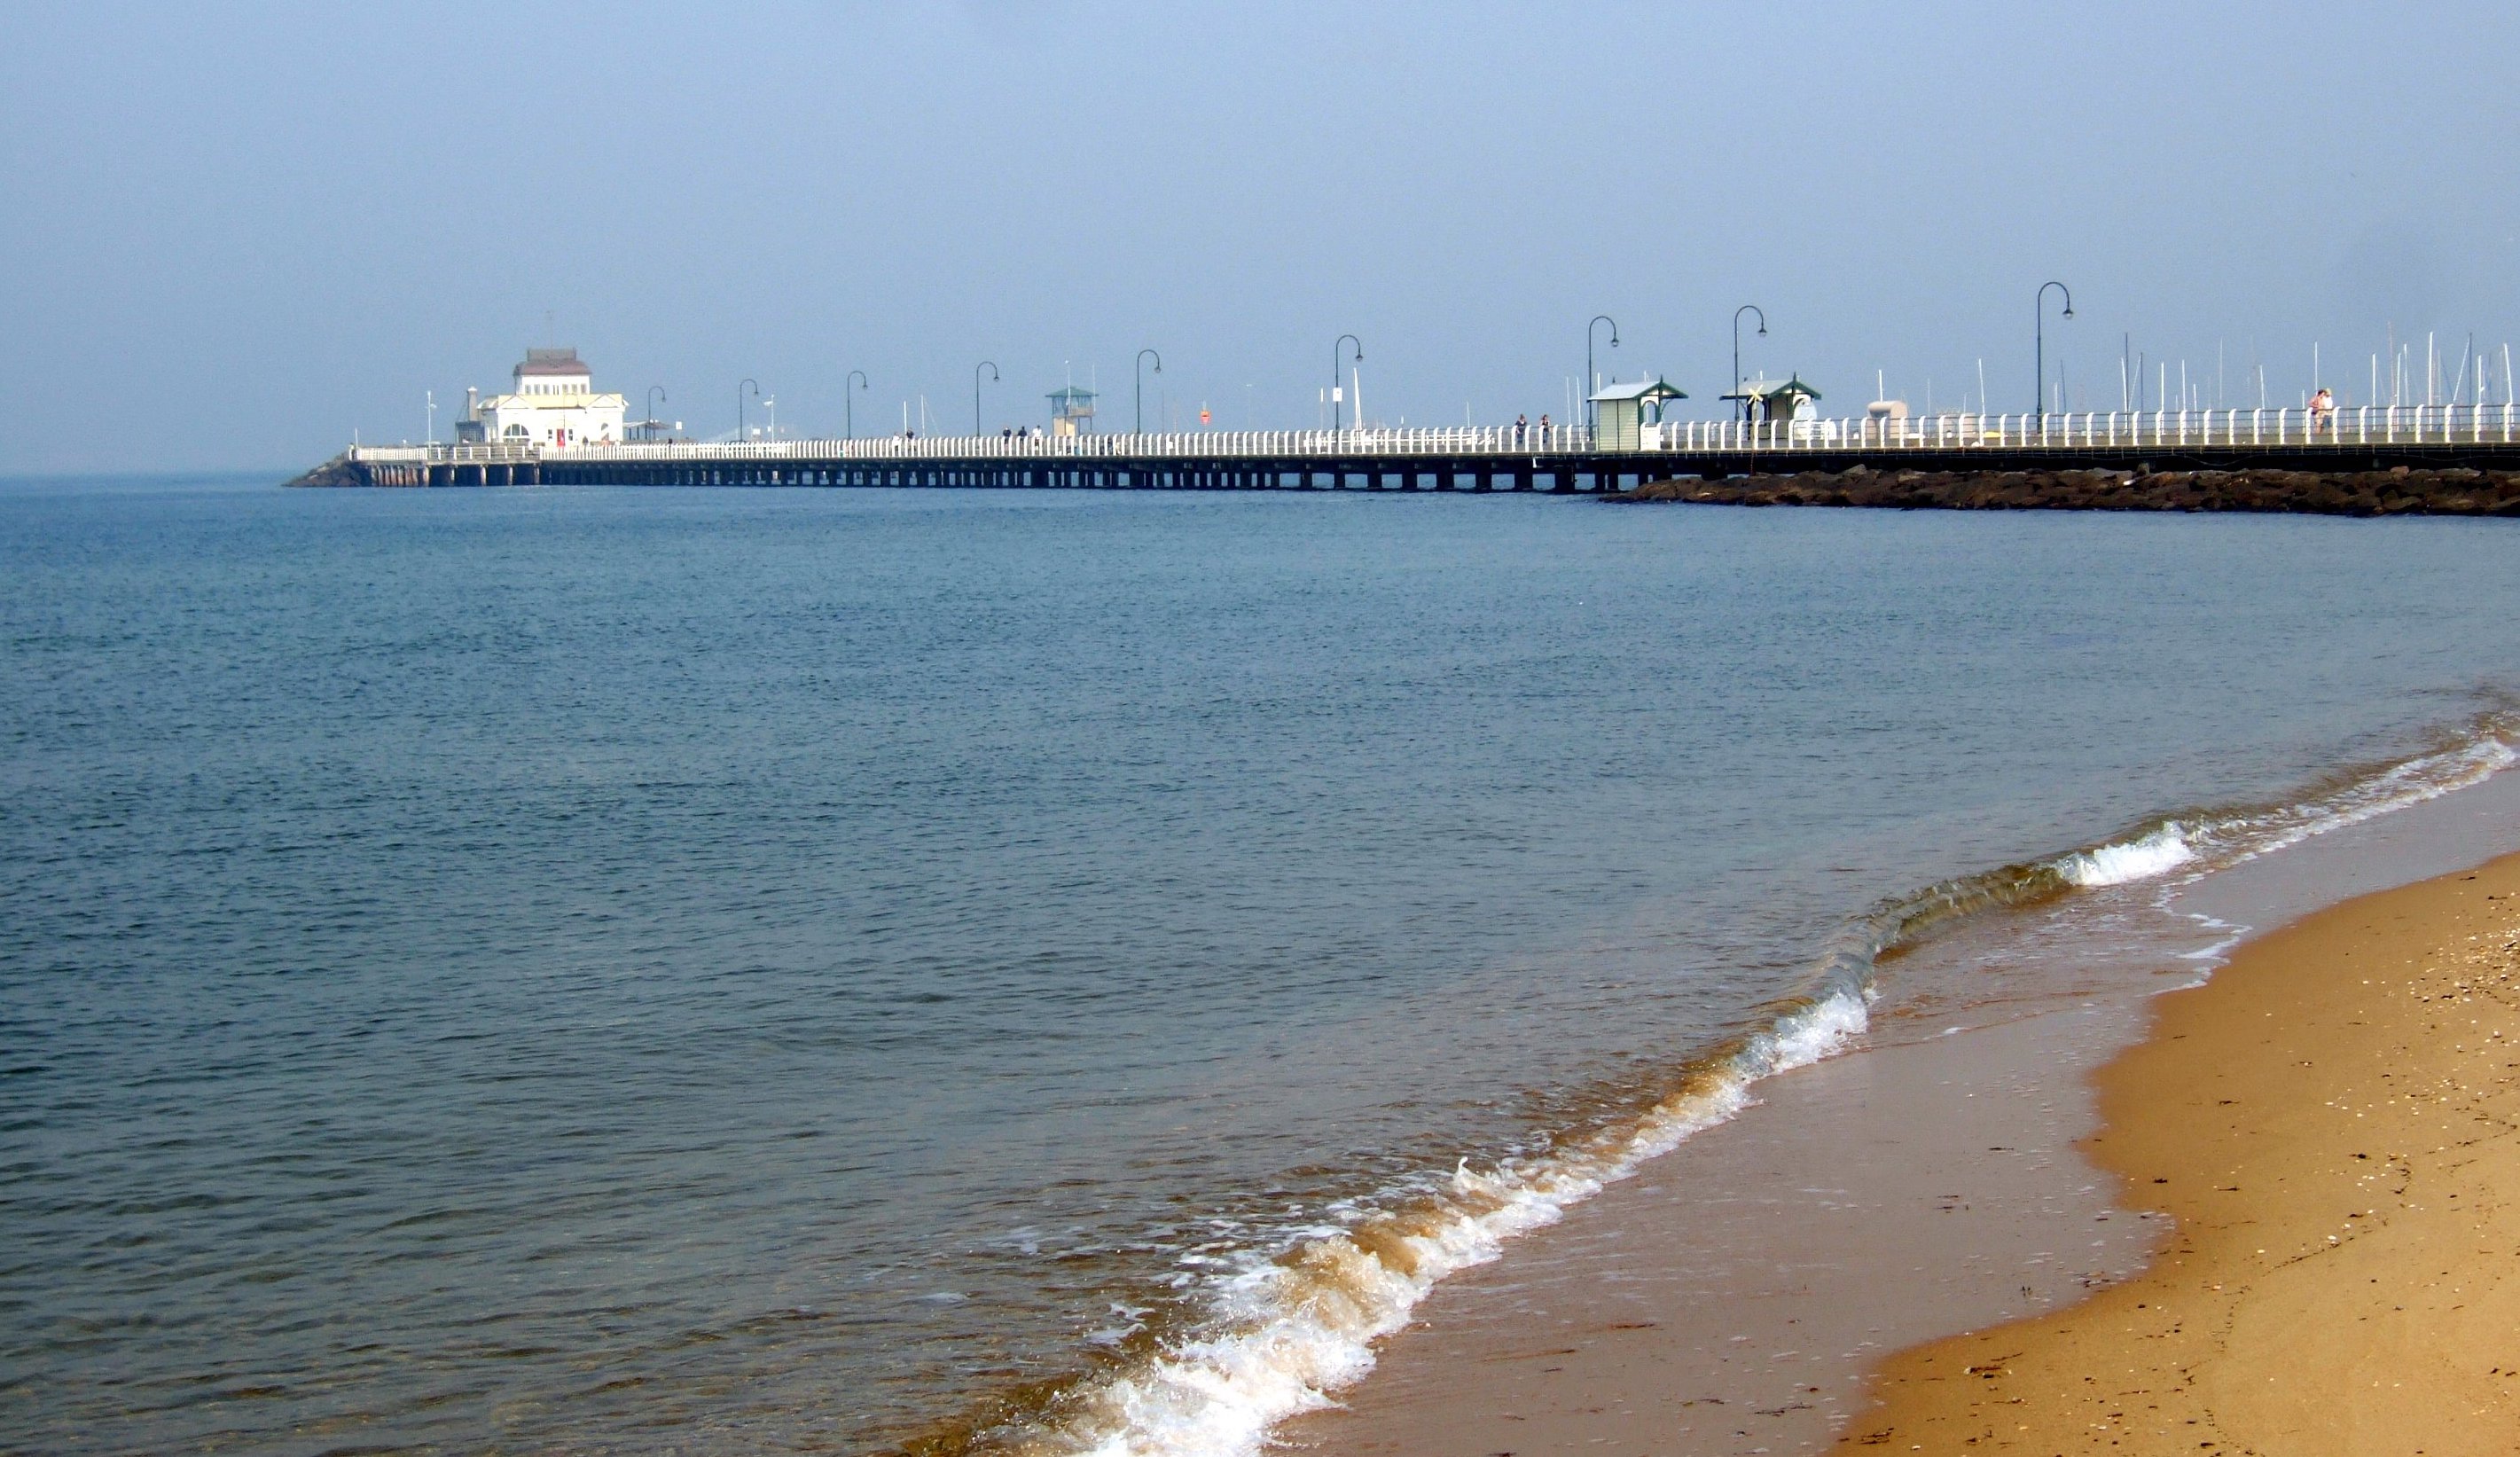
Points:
(1071, 411)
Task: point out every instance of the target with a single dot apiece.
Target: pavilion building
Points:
(553, 405)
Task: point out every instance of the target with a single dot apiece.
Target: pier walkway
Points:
(1503, 458)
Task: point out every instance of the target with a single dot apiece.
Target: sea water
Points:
(755, 971)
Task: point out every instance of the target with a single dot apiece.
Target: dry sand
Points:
(2330, 1125)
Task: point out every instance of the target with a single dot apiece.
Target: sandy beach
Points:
(2329, 1126)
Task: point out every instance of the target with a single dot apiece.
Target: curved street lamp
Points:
(848, 402)
(1589, 385)
(2038, 310)
(1740, 406)
(1344, 339)
(992, 368)
(738, 406)
(655, 392)
(1141, 369)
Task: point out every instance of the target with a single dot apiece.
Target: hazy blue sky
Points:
(230, 235)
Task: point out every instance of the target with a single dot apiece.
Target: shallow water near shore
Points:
(1738, 1295)
(633, 970)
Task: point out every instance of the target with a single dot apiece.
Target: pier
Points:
(1494, 458)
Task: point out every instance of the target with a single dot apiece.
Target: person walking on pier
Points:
(2322, 411)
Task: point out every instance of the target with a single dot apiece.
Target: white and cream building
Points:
(553, 405)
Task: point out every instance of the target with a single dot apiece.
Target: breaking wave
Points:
(2154, 854)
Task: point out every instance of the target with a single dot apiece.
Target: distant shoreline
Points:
(2399, 492)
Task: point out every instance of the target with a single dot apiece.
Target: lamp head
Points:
(2069, 311)
(1763, 331)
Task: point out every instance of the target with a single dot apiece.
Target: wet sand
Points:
(1743, 1292)
(1730, 1297)
(2331, 1124)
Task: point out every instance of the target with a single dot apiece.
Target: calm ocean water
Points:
(653, 971)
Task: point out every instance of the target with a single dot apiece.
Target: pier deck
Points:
(1502, 458)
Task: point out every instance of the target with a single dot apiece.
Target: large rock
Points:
(339, 471)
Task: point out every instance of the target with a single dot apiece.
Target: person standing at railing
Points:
(1544, 431)
(1521, 422)
(2323, 412)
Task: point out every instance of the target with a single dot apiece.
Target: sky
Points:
(237, 236)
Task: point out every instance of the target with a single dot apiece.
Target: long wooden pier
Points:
(1494, 458)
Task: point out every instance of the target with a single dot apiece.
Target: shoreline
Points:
(1732, 1295)
(2327, 1124)
(1741, 1293)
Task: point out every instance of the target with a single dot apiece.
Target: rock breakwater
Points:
(2398, 492)
(339, 471)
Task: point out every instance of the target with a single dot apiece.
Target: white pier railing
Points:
(2077, 431)
(1457, 440)
(2081, 430)
(1453, 440)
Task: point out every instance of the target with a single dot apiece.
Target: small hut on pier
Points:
(1777, 399)
(1619, 412)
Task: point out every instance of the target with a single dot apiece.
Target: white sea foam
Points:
(2158, 853)
(1293, 1329)
(2214, 844)
(2399, 787)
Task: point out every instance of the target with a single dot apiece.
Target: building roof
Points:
(1072, 395)
(552, 362)
(1640, 389)
(1766, 388)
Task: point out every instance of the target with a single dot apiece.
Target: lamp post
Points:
(1344, 339)
(655, 392)
(848, 403)
(738, 406)
(992, 368)
(1589, 384)
(1739, 405)
(2038, 311)
(1141, 369)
